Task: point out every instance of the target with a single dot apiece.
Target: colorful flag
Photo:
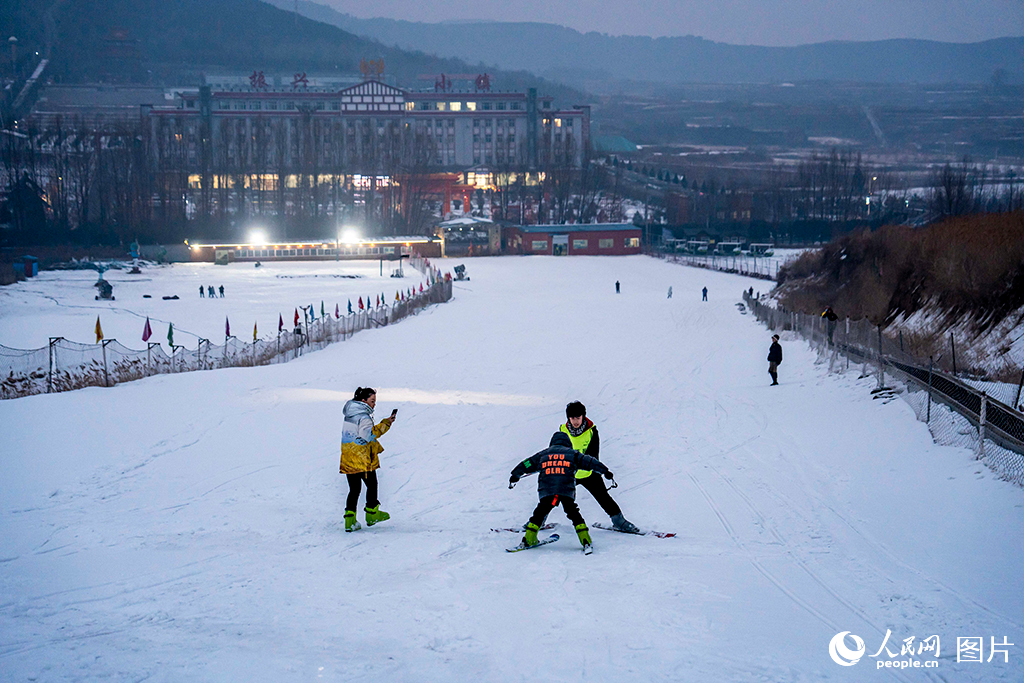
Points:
(296, 323)
(360, 303)
(322, 314)
(376, 304)
(421, 288)
(350, 306)
(312, 312)
(254, 332)
(147, 331)
(99, 331)
(227, 327)
(170, 335)
(337, 312)
(280, 323)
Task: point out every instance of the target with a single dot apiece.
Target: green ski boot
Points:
(374, 515)
(530, 537)
(351, 523)
(584, 535)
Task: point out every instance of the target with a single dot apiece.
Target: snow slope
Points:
(188, 527)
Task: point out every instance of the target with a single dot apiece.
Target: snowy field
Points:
(62, 303)
(189, 527)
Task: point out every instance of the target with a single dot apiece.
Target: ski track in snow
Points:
(189, 527)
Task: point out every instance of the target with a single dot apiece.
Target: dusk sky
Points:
(757, 22)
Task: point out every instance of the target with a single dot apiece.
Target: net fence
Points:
(979, 414)
(65, 365)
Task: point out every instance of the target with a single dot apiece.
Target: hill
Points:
(176, 41)
(572, 57)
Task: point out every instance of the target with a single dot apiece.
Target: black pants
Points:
(354, 484)
(600, 493)
(549, 503)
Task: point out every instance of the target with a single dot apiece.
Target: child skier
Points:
(556, 467)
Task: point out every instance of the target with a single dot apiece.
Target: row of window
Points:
(464, 106)
(604, 243)
(350, 251)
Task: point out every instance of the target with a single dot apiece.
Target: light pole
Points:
(13, 42)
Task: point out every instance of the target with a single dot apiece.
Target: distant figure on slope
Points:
(750, 292)
(209, 292)
(201, 290)
(670, 291)
(222, 291)
(359, 456)
(705, 293)
(556, 466)
(616, 286)
(830, 322)
(774, 359)
(582, 432)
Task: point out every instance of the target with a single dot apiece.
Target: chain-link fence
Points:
(984, 416)
(65, 365)
(764, 268)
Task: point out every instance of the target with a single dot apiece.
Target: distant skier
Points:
(209, 292)
(557, 466)
(830, 323)
(222, 291)
(774, 359)
(616, 286)
(750, 292)
(359, 456)
(670, 292)
(705, 293)
(582, 432)
(201, 291)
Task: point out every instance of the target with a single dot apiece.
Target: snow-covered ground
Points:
(189, 527)
(62, 303)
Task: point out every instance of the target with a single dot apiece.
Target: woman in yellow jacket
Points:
(359, 451)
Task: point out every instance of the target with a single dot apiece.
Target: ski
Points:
(519, 530)
(550, 539)
(659, 534)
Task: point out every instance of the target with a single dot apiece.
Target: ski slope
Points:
(189, 527)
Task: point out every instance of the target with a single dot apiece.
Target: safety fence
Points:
(761, 267)
(66, 365)
(984, 416)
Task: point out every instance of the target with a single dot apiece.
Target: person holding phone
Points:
(360, 450)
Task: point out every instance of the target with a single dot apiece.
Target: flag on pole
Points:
(170, 335)
(360, 303)
(350, 306)
(396, 295)
(296, 323)
(421, 288)
(254, 332)
(147, 331)
(312, 312)
(376, 304)
(322, 314)
(337, 312)
(280, 323)
(99, 331)
(227, 327)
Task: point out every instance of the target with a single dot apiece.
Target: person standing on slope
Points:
(582, 432)
(774, 359)
(830, 323)
(704, 292)
(556, 466)
(360, 449)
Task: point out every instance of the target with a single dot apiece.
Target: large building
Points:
(367, 127)
(597, 239)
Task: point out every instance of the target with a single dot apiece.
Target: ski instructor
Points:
(582, 432)
(359, 456)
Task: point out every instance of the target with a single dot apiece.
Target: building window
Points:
(501, 106)
(516, 105)
(389, 250)
(487, 106)
(455, 106)
(579, 244)
(633, 242)
(540, 245)
(606, 244)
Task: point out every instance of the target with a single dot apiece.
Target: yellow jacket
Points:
(359, 444)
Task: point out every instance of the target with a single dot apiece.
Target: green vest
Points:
(579, 443)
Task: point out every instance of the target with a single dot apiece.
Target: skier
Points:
(616, 286)
(830, 322)
(556, 466)
(670, 292)
(201, 290)
(222, 291)
(774, 359)
(582, 432)
(705, 293)
(359, 451)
